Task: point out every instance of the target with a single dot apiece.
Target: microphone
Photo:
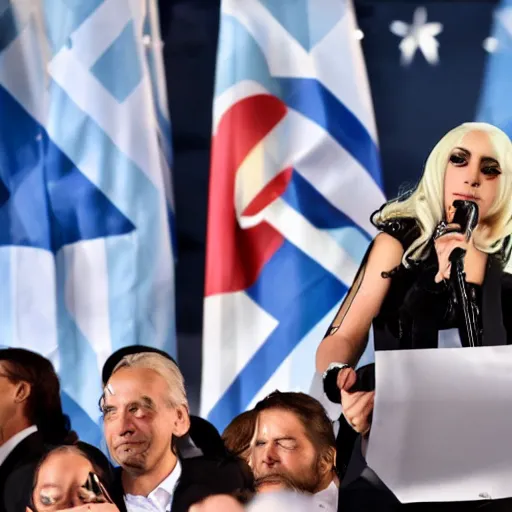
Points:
(466, 215)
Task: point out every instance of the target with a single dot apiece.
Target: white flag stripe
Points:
(106, 22)
(297, 370)
(228, 346)
(35, 320)
(317, 244)
(343, 71)
(90, 95)
(332, 170)
(89, 305)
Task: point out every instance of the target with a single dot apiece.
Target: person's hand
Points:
(357, 405)
(444, 246)
(218, 502)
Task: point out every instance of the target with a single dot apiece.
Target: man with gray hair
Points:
(145, 412)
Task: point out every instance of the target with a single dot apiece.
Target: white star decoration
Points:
(418, 35)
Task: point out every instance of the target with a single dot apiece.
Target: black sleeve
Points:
(506, 305)
(18, 488)
(405, 230)
(202, 477)
(425, 294)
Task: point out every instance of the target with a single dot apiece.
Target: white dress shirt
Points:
(282, 500)
(159, 499)
(327, 500)
(10, 444)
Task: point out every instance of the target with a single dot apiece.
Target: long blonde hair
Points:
(426, 202)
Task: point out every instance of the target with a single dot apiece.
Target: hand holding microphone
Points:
(451, 249)
(454, 235)
(357, 405)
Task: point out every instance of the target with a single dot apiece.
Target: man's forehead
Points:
(138, 377)
(279, 423)
(125, 385)
(126, 397)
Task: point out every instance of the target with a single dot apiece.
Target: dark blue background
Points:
(414, 106)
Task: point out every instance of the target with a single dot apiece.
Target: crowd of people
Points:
(161, 457)
(284, 451)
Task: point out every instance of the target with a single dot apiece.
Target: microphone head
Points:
(466, 215)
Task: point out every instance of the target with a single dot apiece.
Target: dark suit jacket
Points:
(17, 473)
(202, 477)
(206, 469)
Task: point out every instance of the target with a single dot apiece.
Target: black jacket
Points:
(200, 477)
(207, 468)
(17, 473)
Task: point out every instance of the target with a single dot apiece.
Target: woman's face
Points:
(473, 173)
(59, 481)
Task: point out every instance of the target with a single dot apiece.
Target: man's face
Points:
(139, 421)
(282, 447)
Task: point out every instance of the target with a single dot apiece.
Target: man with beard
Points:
(274, 482)
(145, 412)
(294, 437)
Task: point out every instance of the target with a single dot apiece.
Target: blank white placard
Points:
(442, 423)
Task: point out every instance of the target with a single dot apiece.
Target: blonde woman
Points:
(403, 288)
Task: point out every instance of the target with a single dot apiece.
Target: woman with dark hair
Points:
(31, 417)
(43, 406)
(70, 476)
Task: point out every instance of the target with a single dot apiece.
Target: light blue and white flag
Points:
(295, 177)
(86, 258)
(495, 105)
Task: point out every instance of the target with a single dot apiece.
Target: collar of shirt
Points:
(10, 444)
(327, 499)
(159, 498)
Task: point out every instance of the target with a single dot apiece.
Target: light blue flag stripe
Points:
(495, 104)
